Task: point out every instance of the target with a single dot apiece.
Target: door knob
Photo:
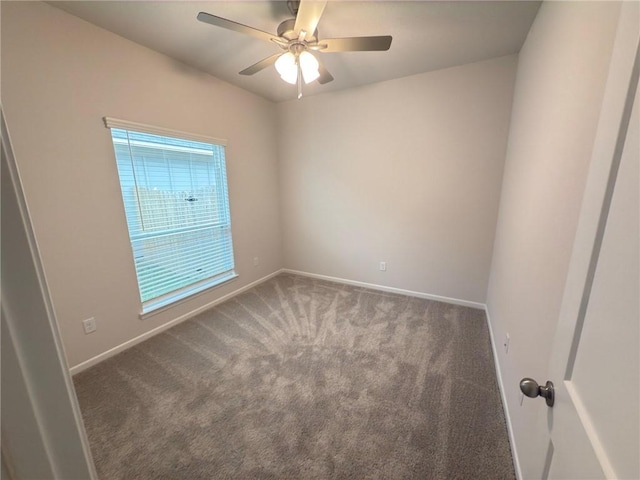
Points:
(531, 389)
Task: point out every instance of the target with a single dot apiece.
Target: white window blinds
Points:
(177, 209)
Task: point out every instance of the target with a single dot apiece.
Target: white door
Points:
(594, 423)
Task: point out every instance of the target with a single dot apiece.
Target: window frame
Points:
(168, 300)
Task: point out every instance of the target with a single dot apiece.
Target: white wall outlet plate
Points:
(383, 266)
(89, 325)
(256, 261)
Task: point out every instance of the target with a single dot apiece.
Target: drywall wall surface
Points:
(406, 171)
(60, 76)
(560, 82)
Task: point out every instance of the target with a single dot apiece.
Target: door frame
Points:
(42, 428)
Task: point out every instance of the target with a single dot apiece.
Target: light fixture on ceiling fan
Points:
(297, 65)
(299, 37)
(289, 65)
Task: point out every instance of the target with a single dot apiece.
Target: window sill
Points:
(154, 307)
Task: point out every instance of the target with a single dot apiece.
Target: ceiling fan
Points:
(298, 37)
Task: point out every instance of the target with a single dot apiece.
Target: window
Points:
(174, 189)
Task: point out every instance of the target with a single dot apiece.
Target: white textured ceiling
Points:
(426, 36)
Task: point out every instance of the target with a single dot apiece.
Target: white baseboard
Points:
(401, 291)
(507, 417)
(140, 338)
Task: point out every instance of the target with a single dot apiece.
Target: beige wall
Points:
(60, 76)
(559, 88)
(406, 171)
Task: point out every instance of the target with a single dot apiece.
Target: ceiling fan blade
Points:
(235, 26)
(262, 64)
(309, 13)
(325, 76)
(357, 44)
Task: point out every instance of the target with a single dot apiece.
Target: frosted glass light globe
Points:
(309, 66)
(287, 68)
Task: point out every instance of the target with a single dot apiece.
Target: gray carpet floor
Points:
(299, 378)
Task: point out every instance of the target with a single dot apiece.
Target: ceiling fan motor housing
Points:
(285, 30)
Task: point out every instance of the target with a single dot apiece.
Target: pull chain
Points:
(299, 78)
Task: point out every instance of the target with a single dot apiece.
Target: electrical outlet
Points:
(89, 325)
(507, 340)
(383, 266)
(256, 261)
